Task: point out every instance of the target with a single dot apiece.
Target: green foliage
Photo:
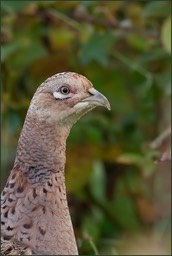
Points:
(157, 9)
(166, 34)
(14, 6)
(124, 210)
(97, 48)
(123, 48)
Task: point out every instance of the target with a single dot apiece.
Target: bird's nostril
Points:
(91, 94)
(91, 91)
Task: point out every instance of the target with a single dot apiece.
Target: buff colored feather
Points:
(35, 217)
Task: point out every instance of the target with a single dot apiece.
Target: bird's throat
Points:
(41, 150)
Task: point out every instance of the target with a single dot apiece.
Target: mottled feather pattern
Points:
(35, 215)
(11, 248)
(26, 208)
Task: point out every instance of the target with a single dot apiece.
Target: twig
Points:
(135, 66)
(66, 19)
(160, 139)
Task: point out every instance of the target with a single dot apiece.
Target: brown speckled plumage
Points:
(34, 211)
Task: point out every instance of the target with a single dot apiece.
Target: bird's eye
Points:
(65, 90)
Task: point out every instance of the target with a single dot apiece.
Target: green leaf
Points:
(29, 52)
(157, 9)
(14, 6)
(93, 134)
(91, 224)
(97, 182)
(9, 49)
(124, 210)
(138, 42)
(34, 52)
(166, 34)
(163, 80)
(97, 48)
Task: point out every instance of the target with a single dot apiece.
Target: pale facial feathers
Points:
(64, 98)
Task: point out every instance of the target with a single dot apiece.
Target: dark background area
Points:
(118, 169)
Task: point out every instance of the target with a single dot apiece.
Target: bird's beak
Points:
(97, 99)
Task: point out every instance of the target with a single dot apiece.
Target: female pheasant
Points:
(35, 216)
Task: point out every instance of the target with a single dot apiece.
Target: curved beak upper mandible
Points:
(97, 99)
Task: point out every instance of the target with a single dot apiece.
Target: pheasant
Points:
(35, 217)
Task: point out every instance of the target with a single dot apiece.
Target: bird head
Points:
(64, 98)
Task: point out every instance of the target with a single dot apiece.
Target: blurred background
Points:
(118, 163)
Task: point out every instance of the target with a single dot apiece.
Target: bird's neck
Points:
(41, 212)
(41, 149)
